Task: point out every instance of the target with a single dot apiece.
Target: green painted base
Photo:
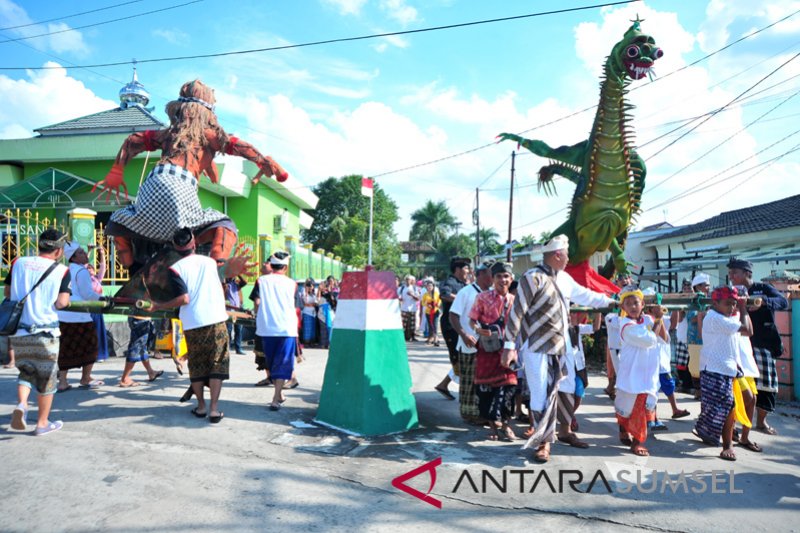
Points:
(367, 386)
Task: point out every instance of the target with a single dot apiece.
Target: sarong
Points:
(309, 328)
(143, 334)
(716, 402)
(166, 201)
(767, 383)
(102, 337)
(36, 359)
(324, 339)
(467, 399)
(409, 324)
(279, 356)
(450, 337)
(208, 352)
(681, 355)
(634, 411)
(496, 404)
(77, 346)
(543, 373)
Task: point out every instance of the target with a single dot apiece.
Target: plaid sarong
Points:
(716, 402)
(681, 354)
(409, 324)
(167, 201)
(768, 380)
(467, 398)
(36, 359)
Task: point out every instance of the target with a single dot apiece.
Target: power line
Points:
(339, 40)
(64, 17)
(91, 26)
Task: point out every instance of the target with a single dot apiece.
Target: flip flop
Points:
(444, 392)
(217, 418)
(573, 441)
(638, 449)
(198, 415)
(542, 454)
(528, 433)
(266, 382)
(186, 395)
(730, 457)
(658, 426)
(626, 440)
(274, 407)
(65, 389)
(683, 413)
(766, 428)
(156, 376)
(752, 446)
(129, 385)
(94, 384)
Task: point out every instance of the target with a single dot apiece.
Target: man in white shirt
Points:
(276, 323)
(36, 341)
(409, 300)
(467, 342)
(201, 299)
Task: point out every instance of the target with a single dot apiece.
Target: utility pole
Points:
(510, 207)
(476, 219)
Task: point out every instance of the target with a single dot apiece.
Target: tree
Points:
(545, 236)
(489, 241)
(432, 223)
(341, 223)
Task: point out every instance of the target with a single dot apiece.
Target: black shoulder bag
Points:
(11, 310)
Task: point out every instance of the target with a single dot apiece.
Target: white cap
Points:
(700, 279)
(70, 248)
(559, 242)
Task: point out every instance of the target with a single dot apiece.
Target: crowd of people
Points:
(517, 342)
(51, 340)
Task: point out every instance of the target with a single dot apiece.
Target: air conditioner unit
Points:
(281, 222)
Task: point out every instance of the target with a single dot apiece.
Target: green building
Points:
(44, 179)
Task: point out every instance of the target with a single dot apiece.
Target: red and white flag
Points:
(366, 186)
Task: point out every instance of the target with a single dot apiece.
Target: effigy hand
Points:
(212, 172)
(240, 264)
(271, 168)
(509, 137)
(112, 182)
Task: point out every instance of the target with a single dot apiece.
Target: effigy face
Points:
(634, 56)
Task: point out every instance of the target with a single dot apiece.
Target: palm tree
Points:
(489, 241)
(338, 226)
(432, 223)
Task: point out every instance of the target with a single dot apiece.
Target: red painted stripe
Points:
(370, 285)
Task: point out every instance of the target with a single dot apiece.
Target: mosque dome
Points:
(133, 94)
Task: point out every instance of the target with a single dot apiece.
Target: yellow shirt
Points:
(431, 302)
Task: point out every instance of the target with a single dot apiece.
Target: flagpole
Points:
(371, 199)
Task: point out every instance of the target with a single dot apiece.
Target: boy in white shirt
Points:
(747, 384)
(719, 366)
(637, 371)
(667, 383)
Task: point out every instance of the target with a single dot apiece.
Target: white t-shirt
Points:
(276, 313)
(312, 300)
(665, 350)
(746, 359)
(82, 291)
(579, 354)
(682, 331)
(407, 303)
(206, 297)
(39, 309)
(612, 327)
(720, 349)
(637, 371)
(462, 305)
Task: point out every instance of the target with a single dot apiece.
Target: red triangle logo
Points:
(399, 482)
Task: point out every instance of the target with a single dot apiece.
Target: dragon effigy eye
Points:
(659, 53)
(632, 51)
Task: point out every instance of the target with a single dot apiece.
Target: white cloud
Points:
(63, 42)
(346, 7)
(46, 97)
(172, 36)
(399, 11)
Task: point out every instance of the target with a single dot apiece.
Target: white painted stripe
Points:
(363, 315)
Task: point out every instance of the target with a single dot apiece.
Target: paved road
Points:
(136, 460)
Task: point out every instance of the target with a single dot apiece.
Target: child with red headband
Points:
(722, 325)
(637, 371)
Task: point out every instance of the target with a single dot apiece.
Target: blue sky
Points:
(375, 106)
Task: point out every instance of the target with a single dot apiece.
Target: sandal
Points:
(186, 395)
(274, 407)
(156, 376)
(64, 389)
(528, 433)
(683, 413)
(625, 439)
(507, 434)
(94, 384)
(766, 428)
(542, 453)
(129, 384)
(639, 450)
(444, 392)
(216, 419)
(266, 382)
(727, 454)
(573, 440)
(750, 445)
(197, 413)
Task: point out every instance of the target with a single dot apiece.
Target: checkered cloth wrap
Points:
(681, 354)
(467, 396)
(768, 381)
(166, 202)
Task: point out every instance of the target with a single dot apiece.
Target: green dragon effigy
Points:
(608, 173)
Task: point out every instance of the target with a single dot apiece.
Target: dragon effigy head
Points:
(633, 57)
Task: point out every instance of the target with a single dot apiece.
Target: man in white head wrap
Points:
(540, 318)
